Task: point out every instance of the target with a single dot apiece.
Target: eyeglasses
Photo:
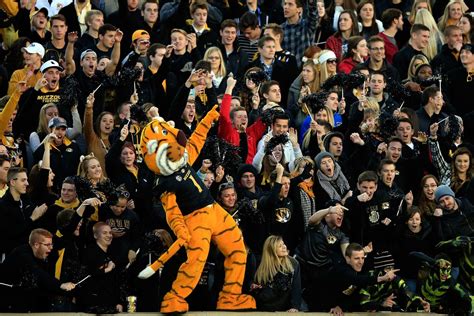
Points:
(50, 245)
(213, 57)
(331, 61)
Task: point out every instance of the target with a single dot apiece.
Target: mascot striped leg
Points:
(206, 224)
(228, 238)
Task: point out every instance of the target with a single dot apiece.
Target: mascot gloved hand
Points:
(213, 113)
(193, 215)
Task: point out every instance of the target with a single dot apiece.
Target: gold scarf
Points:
(307, 188)
(71, 205)
(59, 263)
(191, 22)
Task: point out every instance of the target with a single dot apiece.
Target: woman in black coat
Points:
(123, 169)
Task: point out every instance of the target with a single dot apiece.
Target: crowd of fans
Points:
(343, 150)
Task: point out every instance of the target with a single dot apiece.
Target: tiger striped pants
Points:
(206, 224)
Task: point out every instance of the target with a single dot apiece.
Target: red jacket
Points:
(335, 44)
(346, 65)
(227, 132)
(390, 48)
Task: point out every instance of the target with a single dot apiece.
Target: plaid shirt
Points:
(299, 36)
(444, 170)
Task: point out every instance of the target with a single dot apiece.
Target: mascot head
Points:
(163, 147)
(442, 268)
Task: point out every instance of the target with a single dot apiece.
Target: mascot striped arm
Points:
(193, 215)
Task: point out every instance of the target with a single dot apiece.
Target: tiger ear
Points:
(171, 123)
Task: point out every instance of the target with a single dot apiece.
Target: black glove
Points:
(306, 174)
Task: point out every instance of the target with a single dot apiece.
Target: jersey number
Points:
(195, 183)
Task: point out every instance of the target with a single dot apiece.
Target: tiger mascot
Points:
(193, 215)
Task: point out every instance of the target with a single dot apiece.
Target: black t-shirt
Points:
(191, 193)
(101, 53)
(54, 53)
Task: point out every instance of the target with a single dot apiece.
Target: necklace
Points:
(104, 146)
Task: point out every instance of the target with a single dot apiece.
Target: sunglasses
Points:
(331, 61)
(225, 186)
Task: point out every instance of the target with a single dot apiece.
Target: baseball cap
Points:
(57, 122)
(468, 47)
(44, 10)
(147, 107)
(34, 48)
(140, 34)
(50, 64)
(88, 51)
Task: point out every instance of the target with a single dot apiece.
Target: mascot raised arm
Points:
(193, 215)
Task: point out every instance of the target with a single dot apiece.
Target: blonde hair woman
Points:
(452, 14)
(424, 17)
(47, 112)
(322, 113)
(90, 169)
(214, 56)
(327, 64)
(371, 103)
(306, 83)
(370, 123)
(310, 78)
(418, 5)
(277, 284)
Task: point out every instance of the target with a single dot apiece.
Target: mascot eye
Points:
(165, 132)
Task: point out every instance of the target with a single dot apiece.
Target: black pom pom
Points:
(124, 78)
(341, 80)
(247, 213)
(106, 187)
(336, 80)
(354, 80)
(257, 77)
(316, 100)
(398, 91)
(454, 128)
(70, 92)
(267, 115)
(83, 188)
(222, 153)
(389, 123)
(152, 243)
(275, 141)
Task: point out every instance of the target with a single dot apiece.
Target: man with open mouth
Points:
(46, 90)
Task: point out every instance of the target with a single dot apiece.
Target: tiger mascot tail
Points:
(193, 215)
